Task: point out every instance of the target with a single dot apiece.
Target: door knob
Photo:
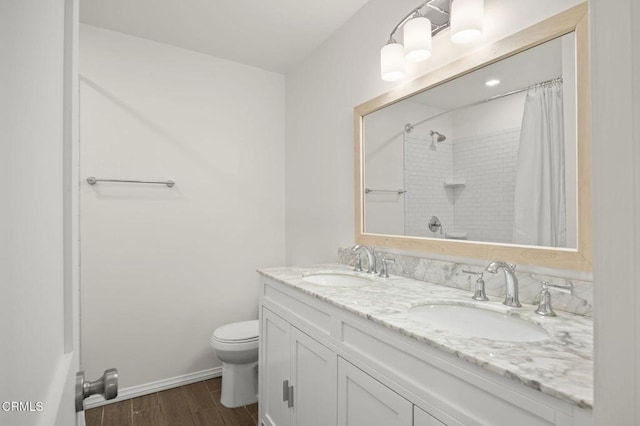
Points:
(107, 386)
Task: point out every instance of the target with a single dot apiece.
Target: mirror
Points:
(490, 154)
(455, 164)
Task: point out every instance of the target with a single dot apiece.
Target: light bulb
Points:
(466, 20)
(392, 62)
(417, 39)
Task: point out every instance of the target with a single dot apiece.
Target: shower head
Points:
(440, 138)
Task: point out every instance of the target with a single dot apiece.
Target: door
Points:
(275, 369)
(297, 376)
(314, 379)
(422, 418)
(38, 215)
(364, 401)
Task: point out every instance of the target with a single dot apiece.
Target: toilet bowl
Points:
(236, 345)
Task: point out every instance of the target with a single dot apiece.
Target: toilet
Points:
(236, 345)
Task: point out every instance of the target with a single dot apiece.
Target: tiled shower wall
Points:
(424, 173)
(484, 207)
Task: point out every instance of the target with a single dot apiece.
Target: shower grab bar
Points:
(387, 191)
(93, 180)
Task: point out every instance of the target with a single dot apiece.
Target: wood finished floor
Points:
(197, 404)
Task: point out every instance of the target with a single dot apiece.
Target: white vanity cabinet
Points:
(422, 418)
(362, 400)
(298, 384)
(347, 370)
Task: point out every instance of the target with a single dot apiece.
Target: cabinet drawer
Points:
(422, 418)
(442, 388)
(305, 312)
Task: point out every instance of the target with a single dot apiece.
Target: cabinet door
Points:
(422, 418)
(364, 401)
(275, 369)
(314, 376)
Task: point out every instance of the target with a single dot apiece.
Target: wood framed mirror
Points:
(446, 165)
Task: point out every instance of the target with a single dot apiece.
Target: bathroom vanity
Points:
(345, 348)
(351, 353)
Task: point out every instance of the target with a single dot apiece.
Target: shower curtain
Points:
(540, 202)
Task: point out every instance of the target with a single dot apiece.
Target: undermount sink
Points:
(336, 280)
(478, 322)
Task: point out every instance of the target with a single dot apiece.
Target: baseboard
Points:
(147, 388)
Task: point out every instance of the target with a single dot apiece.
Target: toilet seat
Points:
(237, 332)
(236, 343)
(241, 350)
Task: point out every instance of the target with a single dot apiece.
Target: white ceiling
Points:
(274, 35)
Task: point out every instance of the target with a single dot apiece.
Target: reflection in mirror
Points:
(490, 156)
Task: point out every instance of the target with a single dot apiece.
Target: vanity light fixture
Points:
(421, 24)
(492, 82)
(417, 39)
(466, 20)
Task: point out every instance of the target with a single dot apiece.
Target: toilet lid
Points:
(237, 331)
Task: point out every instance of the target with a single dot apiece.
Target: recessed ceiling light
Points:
(491, 83)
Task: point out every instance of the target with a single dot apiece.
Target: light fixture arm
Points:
(419, 28)
(411, 15)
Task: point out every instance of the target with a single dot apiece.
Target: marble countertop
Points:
(561, 366)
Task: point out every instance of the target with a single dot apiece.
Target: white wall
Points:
(33, 356)
(162, 268)
(615, 68)
(321, 94)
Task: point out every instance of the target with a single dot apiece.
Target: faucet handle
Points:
(568, 289)
(385, 266)
(544, 304)
(479, 295)
(434, 224)
(357, 267)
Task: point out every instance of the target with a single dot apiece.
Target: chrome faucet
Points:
(511, 298)
(371, 257)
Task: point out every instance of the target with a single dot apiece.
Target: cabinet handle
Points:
(285, 390)
(290, 397)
